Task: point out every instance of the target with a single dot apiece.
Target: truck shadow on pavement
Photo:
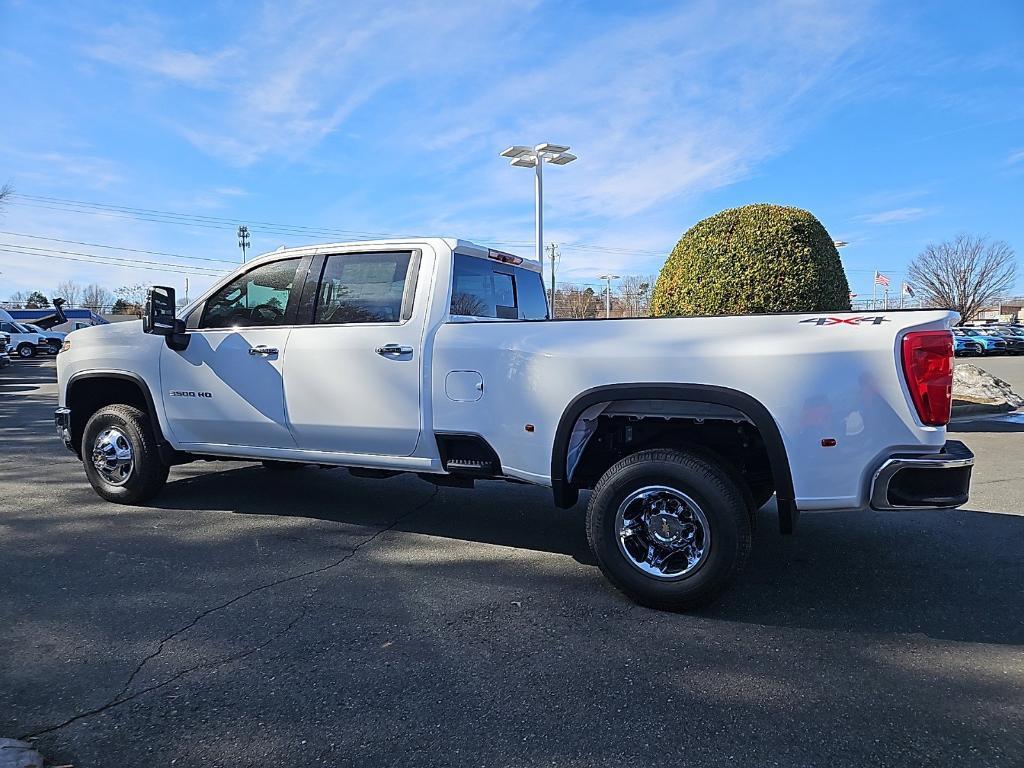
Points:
(950, 574)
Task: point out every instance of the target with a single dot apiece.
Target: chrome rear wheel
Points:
(663, 532)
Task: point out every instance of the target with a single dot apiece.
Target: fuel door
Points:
(464, 386)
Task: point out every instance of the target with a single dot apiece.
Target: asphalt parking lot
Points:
(251, 618)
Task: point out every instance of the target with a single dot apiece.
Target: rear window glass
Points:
(483, 288)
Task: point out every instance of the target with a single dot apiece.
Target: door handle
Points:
(393, 350)
(262, 349)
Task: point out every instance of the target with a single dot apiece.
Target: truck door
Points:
(226, 388)
(352, 375)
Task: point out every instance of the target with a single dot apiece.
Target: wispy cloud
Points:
(895, 216)
(659, 105)
(297, 72)
(75, 169)
(1017, 156)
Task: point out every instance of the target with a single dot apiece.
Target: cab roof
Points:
(451, 243)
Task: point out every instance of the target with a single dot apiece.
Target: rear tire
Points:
(684, 508)
(120, 454)
(26, 351)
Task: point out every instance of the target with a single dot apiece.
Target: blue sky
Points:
(896, 124)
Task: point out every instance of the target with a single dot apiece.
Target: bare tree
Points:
(634, 295)
(6, 190)
(131, 298)
(96, 297)
(966, 273)
(16, 299)
(68, 290)
(574, 302)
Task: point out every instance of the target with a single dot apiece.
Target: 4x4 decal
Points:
(873, 320)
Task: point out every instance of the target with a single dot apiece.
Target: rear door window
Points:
(364, 288)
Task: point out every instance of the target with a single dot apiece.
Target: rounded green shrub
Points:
(758, 258)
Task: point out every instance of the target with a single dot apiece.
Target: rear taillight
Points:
(928, 368)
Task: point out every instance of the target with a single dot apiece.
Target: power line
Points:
(91, 261)
(118, 247)
(116, 261)
(170, 217)
(157, 216)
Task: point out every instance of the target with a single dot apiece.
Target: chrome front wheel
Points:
(663, 532)
(112, 456)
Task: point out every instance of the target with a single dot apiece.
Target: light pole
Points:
(608, 293)
(535, 157)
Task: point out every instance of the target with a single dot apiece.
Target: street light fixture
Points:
(608, 293)
(522, 156)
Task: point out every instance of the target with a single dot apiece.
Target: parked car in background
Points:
(965, 346)
(25, 343)
(5, 343)
(54, 339)
(1014, 338)
(991, 344)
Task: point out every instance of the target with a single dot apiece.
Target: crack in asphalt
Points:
(120, 698)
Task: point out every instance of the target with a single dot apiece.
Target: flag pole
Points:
(874, 290)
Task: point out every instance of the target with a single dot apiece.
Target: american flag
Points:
(852, 295)
(881, 279)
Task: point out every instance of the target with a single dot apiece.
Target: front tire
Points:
(669, 528)
(26, 351)
(120, 455)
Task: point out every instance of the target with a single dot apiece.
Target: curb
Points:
(965, 409)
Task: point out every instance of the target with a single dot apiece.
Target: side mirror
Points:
(158, 316)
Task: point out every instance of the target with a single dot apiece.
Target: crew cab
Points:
(437, 357)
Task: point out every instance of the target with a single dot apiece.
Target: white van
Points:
(24, 341)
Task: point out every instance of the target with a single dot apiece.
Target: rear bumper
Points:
(62, 423)
(935, 480)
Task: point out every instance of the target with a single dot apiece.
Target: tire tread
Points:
(152, 471)
(736, 504)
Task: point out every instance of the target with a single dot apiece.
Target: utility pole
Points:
(243, 240)
(555, 256)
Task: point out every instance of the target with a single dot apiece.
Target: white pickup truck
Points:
(437, 357)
